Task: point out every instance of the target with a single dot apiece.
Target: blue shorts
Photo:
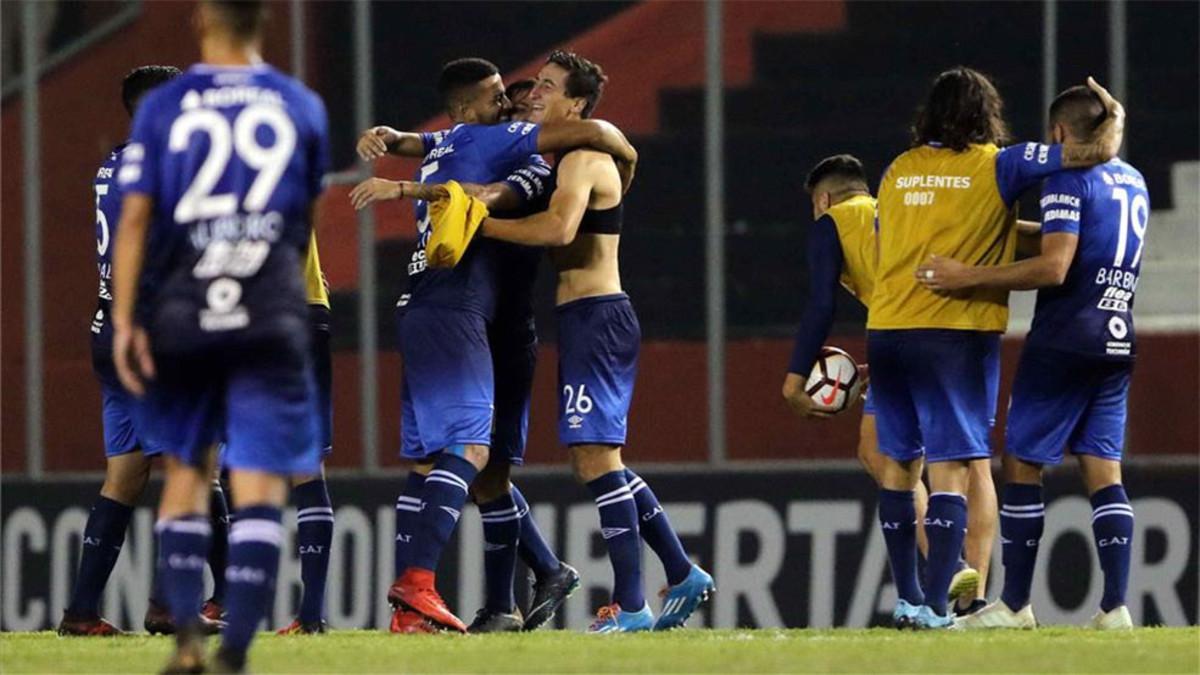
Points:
(322, 360)
(125, 429)
(514, 346)
(598, 342)
(934, 392)
(1064, 401)
(447, 383)
(259, 400)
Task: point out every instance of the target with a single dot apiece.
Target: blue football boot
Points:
(612, 619)
(683, 598)
(927, 619)
(905, 614)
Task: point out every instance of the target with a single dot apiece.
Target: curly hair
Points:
(585, 79)
(962, 108)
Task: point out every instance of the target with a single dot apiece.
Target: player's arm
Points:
(1029, 238)
(383, 140)
(131, 345)
(595, 134)
(1048, 268)
(1105, 141)
(824, 269)
(1062, 198)
(499, 196)
(558, 224)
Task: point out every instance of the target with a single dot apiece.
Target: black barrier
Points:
(788, 547)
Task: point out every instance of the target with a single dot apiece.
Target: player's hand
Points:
(1111, 105)
(374, 190)
(800, 402)
(374, 142)
(943, 275)
(626, 170)
(132, 358)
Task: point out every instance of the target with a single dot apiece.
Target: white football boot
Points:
(1116, 618)
(998, 615)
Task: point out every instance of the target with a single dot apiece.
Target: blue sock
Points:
(218, 552)
(501, 532)
(898, 520)
(656, 530)
(619, 527)
(534, 551)
(445, 495)
(314, 535)
(945, 526)
(1112, 526)
(254, 542)
(102, 539)
(408, 515)
(1022, 519)
(182, 552)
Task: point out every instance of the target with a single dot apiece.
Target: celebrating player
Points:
(209, 318)
(841, 248)
(935, 359)
(128, 449)
(1072, 383)
(599, 340)
(314, 511)
(448, 388)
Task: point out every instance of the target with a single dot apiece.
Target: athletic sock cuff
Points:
(1113, 494)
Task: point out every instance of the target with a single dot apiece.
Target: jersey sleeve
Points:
(1020, 166)
(430, 139)
(138, 172)
(530, 182)
(824, 269)
(506, 143)
(1063, 196)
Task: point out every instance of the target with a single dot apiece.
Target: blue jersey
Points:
(468, 153)
(233, 159)
(1091, 313)
(108, 213)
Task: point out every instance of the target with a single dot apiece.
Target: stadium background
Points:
(715, 268)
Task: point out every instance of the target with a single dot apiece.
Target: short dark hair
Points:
(962, 108)
(1078, 109)
(243, 18)
(141, 80)
(585, 79)
(460, 74)
(847, 168)
(520, 87)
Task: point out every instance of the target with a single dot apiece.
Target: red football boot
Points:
(212, 610)
(408, 622)
(87, 627)
(415, 590)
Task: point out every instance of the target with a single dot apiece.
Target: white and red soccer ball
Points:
(834, 383)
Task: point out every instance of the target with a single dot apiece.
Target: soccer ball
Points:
(834, 383)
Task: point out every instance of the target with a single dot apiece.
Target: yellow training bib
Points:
(934, 200)
(314, 279)
(855, 222)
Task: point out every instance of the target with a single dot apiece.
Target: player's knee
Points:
(1099, 473)
(589, 462)
(477, 455)
(125, 478)
(491, 484)
(1019, 471)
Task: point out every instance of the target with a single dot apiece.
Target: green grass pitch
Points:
(1051, 650)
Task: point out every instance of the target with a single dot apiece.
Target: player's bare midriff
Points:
(587, 267)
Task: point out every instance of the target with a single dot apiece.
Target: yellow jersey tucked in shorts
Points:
(314, 278)
(935, 200)
(855, 222)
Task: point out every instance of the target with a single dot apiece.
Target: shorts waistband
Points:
(591, 300)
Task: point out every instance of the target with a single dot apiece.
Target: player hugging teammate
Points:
(934, 325)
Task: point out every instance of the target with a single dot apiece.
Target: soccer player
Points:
(1072, 383)
(935, 359)
(209, 318)
(128, 450)
(448, 388)
(314, 511)
(841, 249)
(598, 345)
